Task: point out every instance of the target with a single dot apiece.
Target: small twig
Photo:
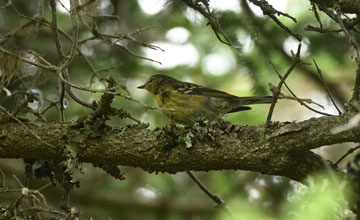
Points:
(44, 187)
(14, 31)
(18, 181)
(16, 203)
(354, 43)
(99, 35)
(323, 31)
(46, 67)
(109, 68)
(62, 5)
(66, 198)
(127, 36)
(316, 14)
(212, 21)
(39, 57)
(295, 60)
(52, 104)
(356, 93)
(41, 209)
(62, 71)
(54, 28)
(351, 38)
(277, 21)
(8, 3)
(272, 12)
(81, 7)
(9, 190)
(22, 124)
(2, 179)
(219, 201)
(301, 101)
(107, 90)
(59, 49)
(326, 87)
(40, 8)
(351, 150)
(128, 51)
(282, 96)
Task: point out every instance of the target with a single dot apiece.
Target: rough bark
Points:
(282, 149)
(346, 6)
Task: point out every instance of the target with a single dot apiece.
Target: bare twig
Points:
(40, 8)
(356, 94)
(321, 30)
(62, 5)
(316, 14)
(354, 43)
(8, 3)
(129, 36)
(282, 96)
(105, 37)
(52, 104)
(44, 186)
(22, 124)
(128, 51)
(214, 23)
(66, 198)
(109, 68)
(63, 68)
(350, 151)
(2, 179)
(18, 181)
(272, 12)
(54, 28)
(41, 209)
(219, 201)
(6, 190)
(14, 31)
(351, 38)
(59, 49)
(295, 61)
(326, 87)
(301, 101)
(81, 7)
(43, 66)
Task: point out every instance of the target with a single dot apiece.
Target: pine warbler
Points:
(185, 102)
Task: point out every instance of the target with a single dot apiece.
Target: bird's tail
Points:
(241, 102)
(255, 100)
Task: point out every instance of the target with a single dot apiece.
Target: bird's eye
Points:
(150, 81)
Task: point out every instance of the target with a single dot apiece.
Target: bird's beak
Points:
(141, 87)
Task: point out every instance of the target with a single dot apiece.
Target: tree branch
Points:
(347, 6)
(282, 149)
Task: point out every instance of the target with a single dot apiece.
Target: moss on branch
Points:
(282, 149)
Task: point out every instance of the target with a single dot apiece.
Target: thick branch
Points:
(346, 6)
(282, 149)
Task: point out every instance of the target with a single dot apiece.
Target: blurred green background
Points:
(191, 53)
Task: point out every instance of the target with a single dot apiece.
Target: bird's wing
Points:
(193, 89)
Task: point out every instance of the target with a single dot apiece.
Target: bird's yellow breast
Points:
(180, 106)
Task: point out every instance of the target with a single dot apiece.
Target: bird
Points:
(185, 103)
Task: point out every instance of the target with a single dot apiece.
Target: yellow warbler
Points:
(185, 102)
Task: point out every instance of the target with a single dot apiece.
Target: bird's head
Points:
(155, 82)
